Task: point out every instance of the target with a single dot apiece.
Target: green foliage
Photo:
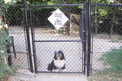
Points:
(100, 11)
(103, 11)
(120, 1)
(75, 1)
(101, 1)
(94, 24)
(114, 59)
(52, 2)
(4, 68)
(14, 15)
(120, 38)
(2, 6)
(3, 51)
(4, 41)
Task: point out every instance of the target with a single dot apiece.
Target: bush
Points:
(5, 69)
(114, 59)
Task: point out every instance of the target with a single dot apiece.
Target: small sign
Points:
(58, 19)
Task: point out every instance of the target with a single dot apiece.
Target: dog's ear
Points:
(62, 57)
(61, 52)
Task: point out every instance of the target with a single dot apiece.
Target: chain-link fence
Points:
(15, 19)
(107, 38)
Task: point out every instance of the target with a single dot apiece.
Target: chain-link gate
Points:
(46, 39)
(14, 16)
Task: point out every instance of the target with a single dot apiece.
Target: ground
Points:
(25, 75)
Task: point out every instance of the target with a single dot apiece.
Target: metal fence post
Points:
(83, 37)
(28, 38)
(86, 38)
(89, 37)
(32, 36)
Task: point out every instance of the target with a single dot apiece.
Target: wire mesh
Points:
(107, 28)
(44, 30)
(106, 43)
(15, 20)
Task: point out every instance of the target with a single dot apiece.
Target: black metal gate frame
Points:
(85, 35)
(28, 37)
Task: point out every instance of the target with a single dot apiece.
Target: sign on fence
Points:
(58, 19)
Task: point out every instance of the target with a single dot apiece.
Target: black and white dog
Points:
(58, 62)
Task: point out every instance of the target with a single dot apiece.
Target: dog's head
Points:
(59, 55)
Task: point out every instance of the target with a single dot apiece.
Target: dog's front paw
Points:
(63, 70)
(56, 70)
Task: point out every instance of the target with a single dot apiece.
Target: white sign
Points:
(58, 19)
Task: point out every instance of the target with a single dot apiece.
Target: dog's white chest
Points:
(59, 63)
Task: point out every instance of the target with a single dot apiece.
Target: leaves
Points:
(101, 1)
(4, 41)
(100, 11)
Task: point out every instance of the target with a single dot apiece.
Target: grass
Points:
(104, 77)
(118, 40)
(112, 58)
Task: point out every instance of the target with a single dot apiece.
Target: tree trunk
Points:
(96, 31)
(67, 25)
(96, 21)
(111, 29)
(95, 25)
